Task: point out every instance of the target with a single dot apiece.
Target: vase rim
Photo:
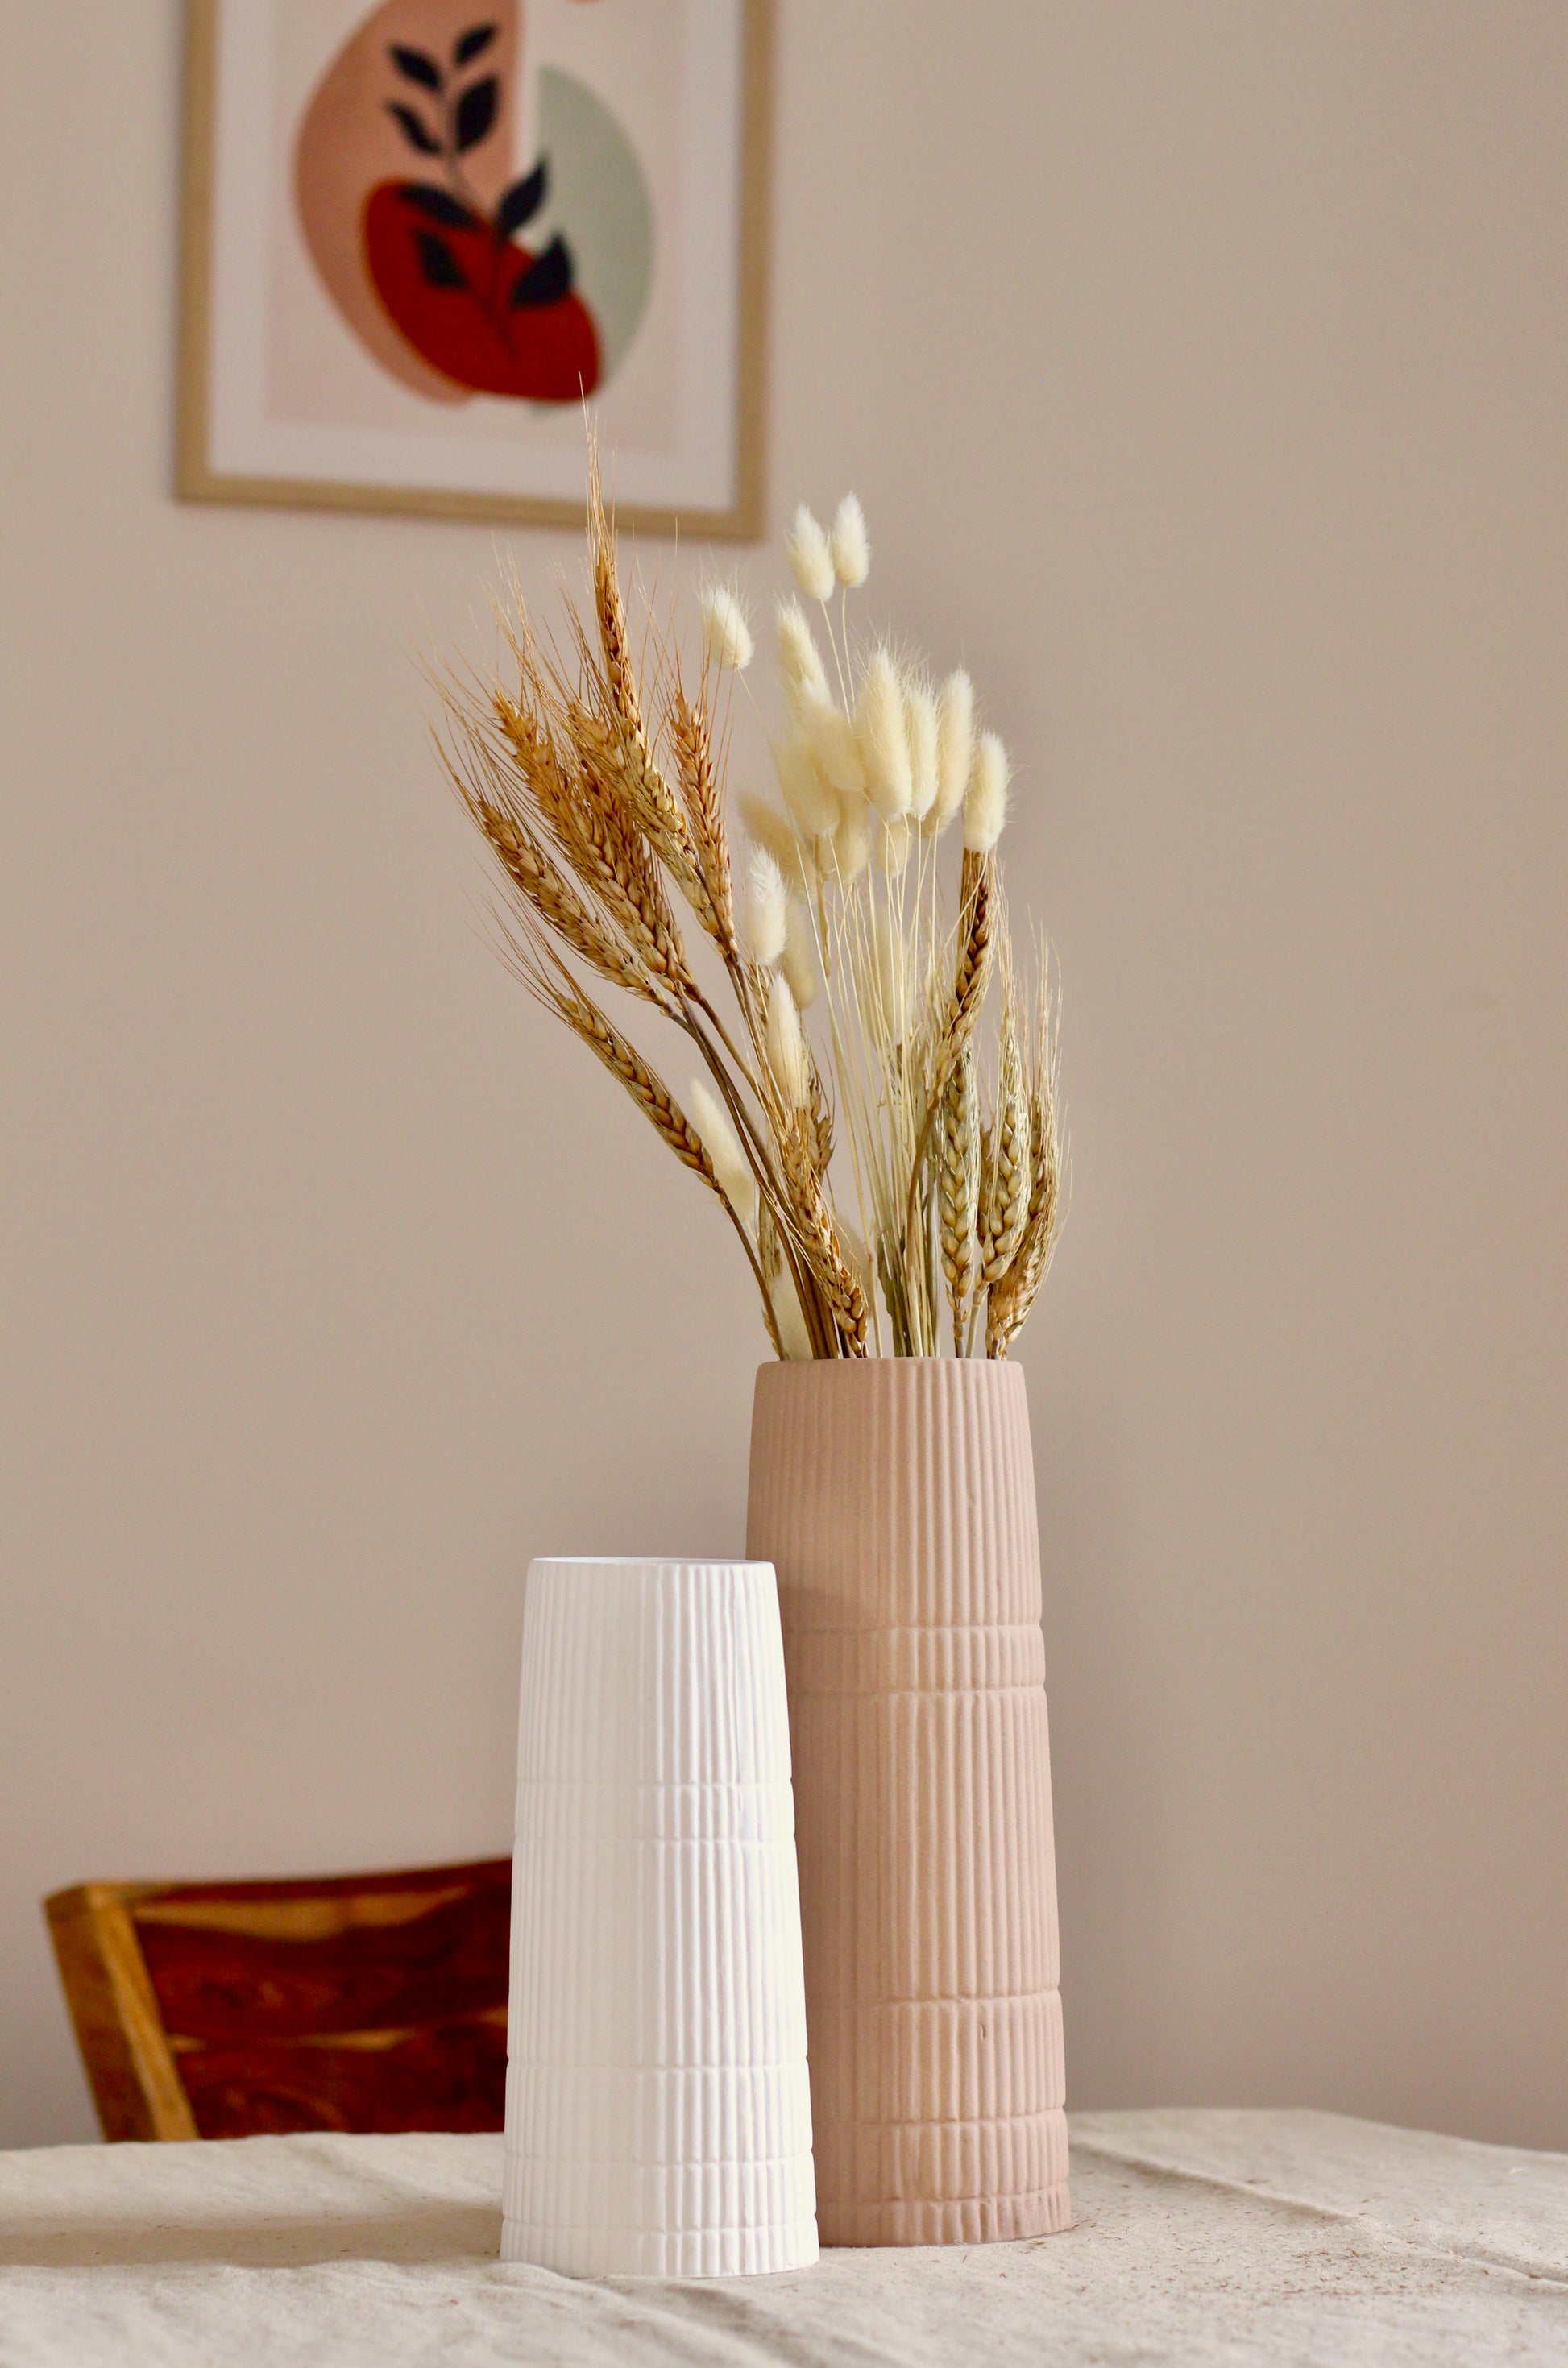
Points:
(648, 1562)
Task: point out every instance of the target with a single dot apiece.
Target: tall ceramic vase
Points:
(658, 2114)
(895, 1497)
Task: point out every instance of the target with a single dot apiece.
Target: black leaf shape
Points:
(547, 279)
(476, 112)
(437, 262)
(522, 201)
(415, 66)
(438, 205)
(478, 38)
(413, 131)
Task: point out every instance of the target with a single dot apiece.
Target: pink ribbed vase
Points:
(896, 1498)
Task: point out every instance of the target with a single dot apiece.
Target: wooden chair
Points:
(228, 2009)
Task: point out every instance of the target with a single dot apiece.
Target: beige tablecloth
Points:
(1223, 2237)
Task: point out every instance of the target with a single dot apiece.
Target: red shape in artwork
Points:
(486, 312)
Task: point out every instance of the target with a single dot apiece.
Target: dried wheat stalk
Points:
(960, 1189)
(705, 814)
(1006, 1202)
(608, 607)
(819, 1238)
(556, 901)
(1013, 1294)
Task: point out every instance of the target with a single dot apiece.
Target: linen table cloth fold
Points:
(1201, 2238)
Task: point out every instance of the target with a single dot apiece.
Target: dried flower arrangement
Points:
(599, 787)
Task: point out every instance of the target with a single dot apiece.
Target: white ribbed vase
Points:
(658, 2110)
(895, 1496)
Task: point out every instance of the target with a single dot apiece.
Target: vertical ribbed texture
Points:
(896, 1498)
(658, 2111)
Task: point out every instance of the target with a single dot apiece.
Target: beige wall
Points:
(1203, 371)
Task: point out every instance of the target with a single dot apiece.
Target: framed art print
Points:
(419, 236)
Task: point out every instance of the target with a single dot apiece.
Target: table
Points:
(1223, 2237)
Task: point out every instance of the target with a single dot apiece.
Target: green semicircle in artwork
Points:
(599, 198)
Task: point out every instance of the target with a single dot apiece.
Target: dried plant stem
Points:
(973, 973)
(813, 1221)
(618, 762)
(1014, 1296)
(608, 607)
(958, 1193)
(705, 813)
(553, 898)
(971, 977)
(551, 984)
(1005, 1199)
(716, 1021)
(773, 1195)
(615, 866)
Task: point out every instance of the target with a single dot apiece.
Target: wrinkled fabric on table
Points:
(1223, 2237)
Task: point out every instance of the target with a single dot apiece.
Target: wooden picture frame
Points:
(206, 472)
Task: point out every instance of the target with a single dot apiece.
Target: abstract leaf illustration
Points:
(546, 281)
(521, 202)
(413, 131)
(476, 112)
(415, 66)
(438, 204)
(437, 262)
